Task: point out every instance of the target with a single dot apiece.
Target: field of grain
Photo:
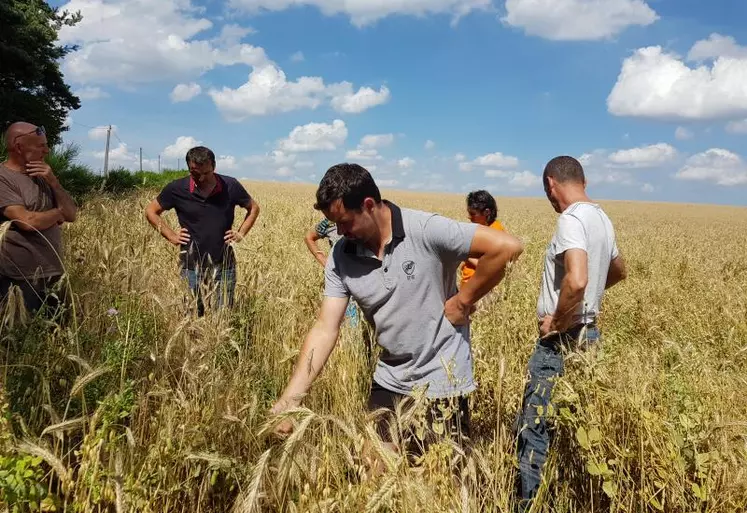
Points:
(131, 405)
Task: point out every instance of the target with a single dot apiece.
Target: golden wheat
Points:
(656, 420)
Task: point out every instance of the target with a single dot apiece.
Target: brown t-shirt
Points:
(28, 254)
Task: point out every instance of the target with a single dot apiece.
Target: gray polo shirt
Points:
(403, 297)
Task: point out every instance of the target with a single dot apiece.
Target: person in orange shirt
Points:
(481, 209)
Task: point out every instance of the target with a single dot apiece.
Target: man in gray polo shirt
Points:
(581, 262)
(400, 266)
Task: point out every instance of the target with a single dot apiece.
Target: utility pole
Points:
(159, 163)
(106, 152)
(141, 159)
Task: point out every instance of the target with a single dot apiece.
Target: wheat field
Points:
(129, 404)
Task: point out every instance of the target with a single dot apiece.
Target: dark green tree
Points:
(32, 87)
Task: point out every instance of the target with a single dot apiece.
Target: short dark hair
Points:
(199, 155)
(349, 182)
(564, 169)
(482, 200)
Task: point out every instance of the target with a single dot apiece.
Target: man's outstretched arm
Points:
(317, 347)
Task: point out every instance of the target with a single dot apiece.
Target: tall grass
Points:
(132, 405)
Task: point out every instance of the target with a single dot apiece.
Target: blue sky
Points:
(445, 95)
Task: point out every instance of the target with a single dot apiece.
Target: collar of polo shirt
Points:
(216, 190)
(398, 232)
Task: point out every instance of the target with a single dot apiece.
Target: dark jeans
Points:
(48, 292)
(534, 431)
(444, 418)
(215, 286)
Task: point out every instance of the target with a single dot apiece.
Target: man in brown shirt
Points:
(35, 204)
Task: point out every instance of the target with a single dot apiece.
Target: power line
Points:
(111, 130)
(91, 127)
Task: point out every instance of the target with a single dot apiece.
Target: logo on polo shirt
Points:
(409, 268)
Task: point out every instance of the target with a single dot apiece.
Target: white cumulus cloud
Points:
(99, 133)
(232, 34)
(718, 166)
(626, 166)
(716, 46)
(376, 141)
(181, 146)
(185, 92)
(737, 127)
(683, 134)
(406, 163)
(524, 180)
(298, 57)
(226, 163)
(494, 160)
(363, 154)
(515, 179)
(599, 170)
(121, 156)
(429, 145)
(349, 102)
(657, 84)
(387, 183)
(645, 156)
(576, 20)
(268, 91)
(276, 161)
(315, 137)
(365, 12)
(139, 41)
(91, 93)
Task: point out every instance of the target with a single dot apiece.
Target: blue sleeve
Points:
(322, 228)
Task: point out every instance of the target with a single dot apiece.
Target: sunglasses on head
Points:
(39, 131)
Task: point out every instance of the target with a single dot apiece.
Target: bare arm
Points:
(310, 240)
(616, 273)
(571, 289)
(493, 250)
(251, 217)
(64, 202)
(232, 235)
(31, 221)
(153, 213)
(315, 351)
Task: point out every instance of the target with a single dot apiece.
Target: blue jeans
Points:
(215, 286)
(534, 431)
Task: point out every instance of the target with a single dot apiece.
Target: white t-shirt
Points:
(581, 226)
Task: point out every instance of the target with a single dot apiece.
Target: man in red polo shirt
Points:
(204, 202)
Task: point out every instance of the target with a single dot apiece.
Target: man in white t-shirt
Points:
(581, 262)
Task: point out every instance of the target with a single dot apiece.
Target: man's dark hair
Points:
(200, 155)
(564, 169)
(349, 182)
(482, 200)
